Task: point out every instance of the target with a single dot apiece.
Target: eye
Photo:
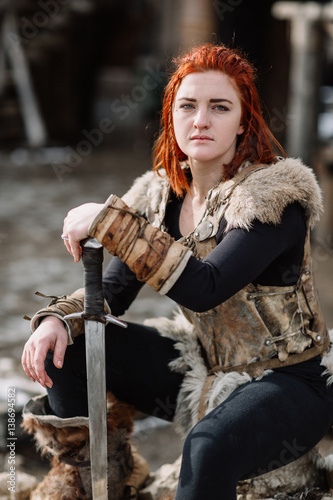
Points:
(221, 107)
(186, 106)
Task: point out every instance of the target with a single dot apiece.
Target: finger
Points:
(65, 232)
(32, 372)
(38, 363)
(48, 381)
(67, 245)
(25, 364)
(59, 351)
(68, 242)
(75, 248)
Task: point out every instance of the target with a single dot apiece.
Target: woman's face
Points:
(207, 118)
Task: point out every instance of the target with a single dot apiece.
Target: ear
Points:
(240, 130)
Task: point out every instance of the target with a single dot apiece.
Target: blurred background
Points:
(80, 91)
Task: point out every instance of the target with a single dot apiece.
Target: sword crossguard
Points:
(107, 318)
(113, 319)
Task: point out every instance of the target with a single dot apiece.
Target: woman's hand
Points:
(76, 226)
(50, 335)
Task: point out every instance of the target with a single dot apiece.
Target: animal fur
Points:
(327, 361)
(63, 482)
(190, 363)
(263, 195)
(67, 442)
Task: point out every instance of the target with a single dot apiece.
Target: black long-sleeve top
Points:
(266, 254)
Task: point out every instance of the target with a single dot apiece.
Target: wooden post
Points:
(32, 118)
(2, 63)
(196, 22)
(306, 47)
(186, 23)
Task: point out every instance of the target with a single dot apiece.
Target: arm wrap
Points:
(154, 256)
(61, 307)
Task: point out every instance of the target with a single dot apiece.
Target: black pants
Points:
(263, 425)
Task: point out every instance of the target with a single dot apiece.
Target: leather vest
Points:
(260, 326)
(260, 323)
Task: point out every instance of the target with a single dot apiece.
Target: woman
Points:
(222, 227)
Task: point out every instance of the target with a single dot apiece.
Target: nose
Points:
(201, 119)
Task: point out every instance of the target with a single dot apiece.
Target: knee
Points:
(200, 444)
(208, 461)
(211, 441)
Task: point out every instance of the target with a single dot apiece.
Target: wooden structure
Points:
(12, 51)
(306, 45)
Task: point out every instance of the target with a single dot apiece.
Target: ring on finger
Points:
(64, 237)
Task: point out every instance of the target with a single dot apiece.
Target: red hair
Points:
(255, 144)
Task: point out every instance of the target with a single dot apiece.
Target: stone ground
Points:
(35, 196)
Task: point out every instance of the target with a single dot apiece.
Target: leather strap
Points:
(257, 368)
(203, 401)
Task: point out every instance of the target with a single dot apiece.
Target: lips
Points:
(201, 138)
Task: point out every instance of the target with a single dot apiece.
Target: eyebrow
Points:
(210, 100)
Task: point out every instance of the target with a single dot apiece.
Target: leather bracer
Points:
(61, 307)
(153, 255)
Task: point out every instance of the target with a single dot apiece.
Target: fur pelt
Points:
(63, 482)
(263, 195)
(146, 190)
(327, 361)
(190, 363)
(58, 436)
(67, 441)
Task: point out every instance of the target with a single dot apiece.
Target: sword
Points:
(94, 321)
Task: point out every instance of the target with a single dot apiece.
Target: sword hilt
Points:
(92, 258)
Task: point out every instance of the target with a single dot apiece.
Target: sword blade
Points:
(95, 358)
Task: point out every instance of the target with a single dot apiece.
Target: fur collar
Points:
(263, 195)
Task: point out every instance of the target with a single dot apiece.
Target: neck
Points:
(203, 179)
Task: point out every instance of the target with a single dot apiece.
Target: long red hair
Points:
(256, 144)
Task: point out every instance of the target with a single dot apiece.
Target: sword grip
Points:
(92, 258)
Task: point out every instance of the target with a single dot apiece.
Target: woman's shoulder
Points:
(145, 189)
(269, 189)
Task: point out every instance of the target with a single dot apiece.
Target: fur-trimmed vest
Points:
(260, 326)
